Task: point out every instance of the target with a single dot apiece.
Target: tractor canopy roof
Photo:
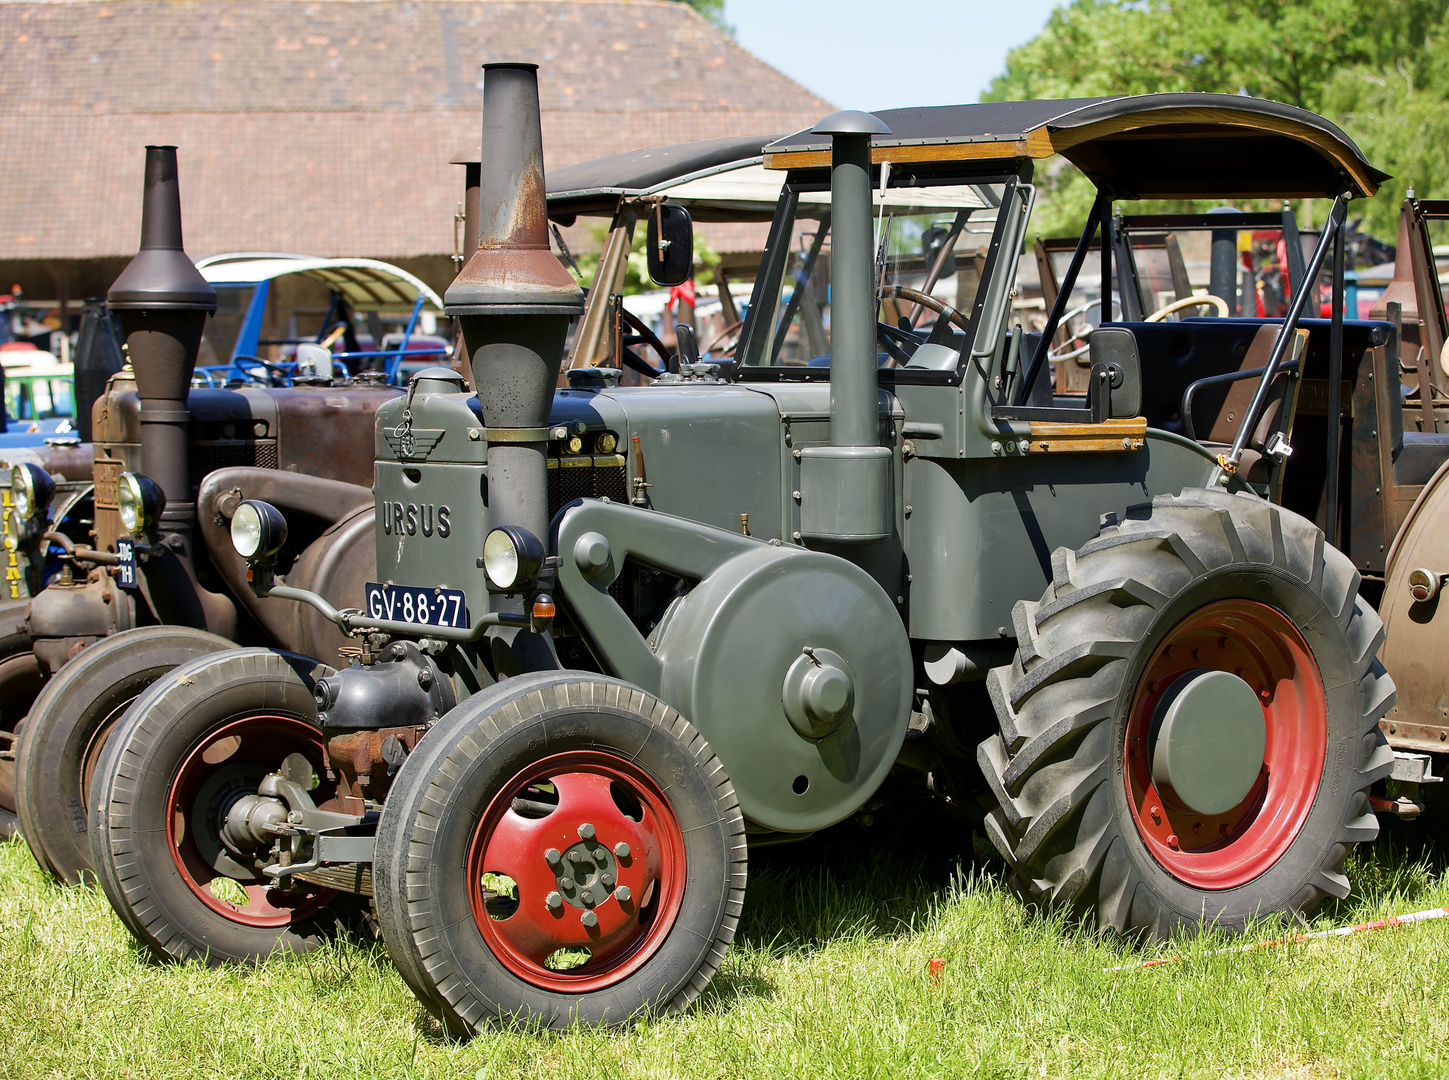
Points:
(1151, 146)
(712, 178)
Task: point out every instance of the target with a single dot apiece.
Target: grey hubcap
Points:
(1211, 736)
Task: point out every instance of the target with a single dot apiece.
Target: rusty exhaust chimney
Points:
(515, 301)
(162, 301)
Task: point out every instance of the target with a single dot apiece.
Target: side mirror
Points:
(670, 244)
(932, 241)
(1116, 372)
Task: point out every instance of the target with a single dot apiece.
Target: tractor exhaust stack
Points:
(162, 301)
(515, 302)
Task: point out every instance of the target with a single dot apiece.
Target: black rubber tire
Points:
(430, 814)
(129, 804)
(67, 727)
(21, 679)
(1063, 821)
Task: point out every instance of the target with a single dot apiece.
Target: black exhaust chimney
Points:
(162, 301)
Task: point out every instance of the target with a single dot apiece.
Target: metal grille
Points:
(585, 477)
(207, 457)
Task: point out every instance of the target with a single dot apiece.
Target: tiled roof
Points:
(326, 126)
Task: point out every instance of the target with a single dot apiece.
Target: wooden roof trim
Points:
(1034, 145)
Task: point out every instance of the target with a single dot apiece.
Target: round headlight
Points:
(140, 501)
(31, 487)
(258, 530)
(511, 557)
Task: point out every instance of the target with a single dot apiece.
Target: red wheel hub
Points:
(227, 764)
(595, 856)
(1262, 647)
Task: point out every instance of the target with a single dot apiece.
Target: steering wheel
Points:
(730, 331)
(926, 300)
(1190, 301)
(270, 375)
(642, 335)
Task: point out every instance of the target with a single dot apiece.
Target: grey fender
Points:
(792, 663)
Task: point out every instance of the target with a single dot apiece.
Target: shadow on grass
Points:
(853, 881)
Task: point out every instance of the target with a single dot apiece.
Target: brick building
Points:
(326, 127)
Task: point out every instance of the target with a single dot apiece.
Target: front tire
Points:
(601, 849)
(195, 741)
(68, 726)
(1203, 588)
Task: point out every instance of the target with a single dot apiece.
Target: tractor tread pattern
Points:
(1050, 765)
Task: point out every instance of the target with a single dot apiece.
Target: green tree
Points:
(1378, 67)
(713, 10)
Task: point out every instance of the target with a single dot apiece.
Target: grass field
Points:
(827, 978)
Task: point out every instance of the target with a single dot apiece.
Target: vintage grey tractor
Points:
(618, 634)
(148, 576)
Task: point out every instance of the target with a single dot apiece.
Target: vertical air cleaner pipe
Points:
(845, 487)
(515, 301)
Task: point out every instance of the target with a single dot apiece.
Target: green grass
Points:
(828, 978)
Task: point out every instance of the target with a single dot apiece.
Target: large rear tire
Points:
(607, 832)
(196, 740)
(68, 726)
(1191, 595)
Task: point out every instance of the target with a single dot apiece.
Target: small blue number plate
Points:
(414, 604)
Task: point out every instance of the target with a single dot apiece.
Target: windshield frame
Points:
(757, 338)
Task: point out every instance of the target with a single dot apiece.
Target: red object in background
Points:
(683, 292)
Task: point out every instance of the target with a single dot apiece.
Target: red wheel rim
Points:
(1261, 646)
(225, 765)
(549, 844)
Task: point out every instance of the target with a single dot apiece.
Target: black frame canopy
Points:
(1150, 146)
(1153, 146)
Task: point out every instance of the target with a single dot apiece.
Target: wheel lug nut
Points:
(589, 919)
(622, 894)
(1172, 841)
(577, 857)
(621, 850)
(586, 831)
(552, 856)
(607, 881)
(554, 901)
(600, 854)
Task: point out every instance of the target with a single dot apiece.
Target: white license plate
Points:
(417, 604)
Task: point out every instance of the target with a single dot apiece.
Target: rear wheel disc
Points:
(1195, 602)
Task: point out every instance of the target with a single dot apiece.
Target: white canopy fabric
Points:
(366, 284)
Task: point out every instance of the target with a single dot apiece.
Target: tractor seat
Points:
(1218, 411)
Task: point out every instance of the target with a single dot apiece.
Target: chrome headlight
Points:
(31, 488)
(140, 501)
(511, 557)
(258, 530)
